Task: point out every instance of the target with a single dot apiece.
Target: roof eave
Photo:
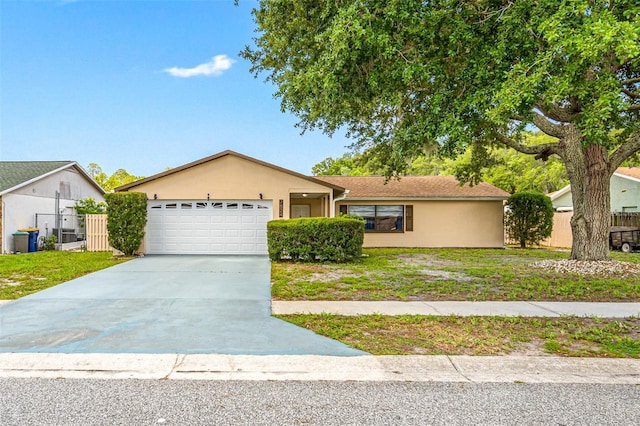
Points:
(427, 198)
(621, 175)
(52, 172)
(560, 192)
(220, 155)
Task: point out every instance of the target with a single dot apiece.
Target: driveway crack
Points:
(458, 370)
(176, 364)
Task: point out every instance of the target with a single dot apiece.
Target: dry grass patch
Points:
(452, 335)
(458, 274)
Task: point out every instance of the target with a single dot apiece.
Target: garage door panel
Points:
(212, 227)
(231, 233)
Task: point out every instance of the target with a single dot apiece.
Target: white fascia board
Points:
(620, 175)
(560, 192)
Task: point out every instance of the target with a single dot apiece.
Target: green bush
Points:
(316, 239)
(48, 243)
(126, 219)
(529, 217)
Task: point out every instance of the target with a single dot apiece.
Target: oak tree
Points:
(401, 75)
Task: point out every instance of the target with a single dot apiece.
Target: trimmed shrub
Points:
(312, 239)
(529, 217)
(126, 219)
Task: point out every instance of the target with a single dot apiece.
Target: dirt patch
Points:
(446, 275)
(424, 260)
(5, 282)
(334, 275)
(532, 348)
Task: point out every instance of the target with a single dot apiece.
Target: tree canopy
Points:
(109, 183)
(401, 75)
(505, 168)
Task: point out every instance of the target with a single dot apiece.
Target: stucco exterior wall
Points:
(19, 207)
(231, 177)
(564, 200)
(444, 224)
(625, 195)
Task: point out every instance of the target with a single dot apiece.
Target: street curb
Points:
(439, 368)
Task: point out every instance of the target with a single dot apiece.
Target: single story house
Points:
(41, 194)
(625, 192)
(221, 204)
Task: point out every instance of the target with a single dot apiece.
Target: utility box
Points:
(21, 242)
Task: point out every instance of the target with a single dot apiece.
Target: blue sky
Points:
(140, 85)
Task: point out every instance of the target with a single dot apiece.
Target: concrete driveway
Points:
(161, 304)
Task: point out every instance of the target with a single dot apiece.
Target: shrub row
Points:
(336, 239)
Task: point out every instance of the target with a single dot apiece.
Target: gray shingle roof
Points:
(14, 173)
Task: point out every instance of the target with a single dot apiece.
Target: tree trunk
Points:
(589, 175)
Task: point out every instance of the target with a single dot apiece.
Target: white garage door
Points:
(208, 227)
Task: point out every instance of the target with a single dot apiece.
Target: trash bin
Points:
(20, 242)
(33, 238)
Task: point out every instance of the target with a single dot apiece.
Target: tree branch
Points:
(551, 129)
(631, 81)
(542, 151)
(626, 150)
(557, 113)
(633, 108)
(633, 95)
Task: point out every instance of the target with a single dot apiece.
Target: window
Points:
(232, 206)
(186, 206)
(217, 205)
(247, 206)
(201, 205)
(380, 218)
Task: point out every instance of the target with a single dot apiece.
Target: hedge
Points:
(126, 219)
(316, 239)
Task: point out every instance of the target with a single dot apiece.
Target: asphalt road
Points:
(178, 402)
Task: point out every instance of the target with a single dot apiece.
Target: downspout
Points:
(335, 200)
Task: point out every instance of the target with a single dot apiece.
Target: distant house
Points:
(41, 194)
(221, 204)
(625, 192)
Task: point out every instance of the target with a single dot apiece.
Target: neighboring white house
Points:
(625, 192)
(30, 192)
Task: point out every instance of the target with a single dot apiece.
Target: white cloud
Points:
(216, 66)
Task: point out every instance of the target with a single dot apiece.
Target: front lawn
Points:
(453, 335)
(23, 274)
(451, 274)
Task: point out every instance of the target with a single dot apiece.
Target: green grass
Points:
(452, 335)
(23, 274)
(449, 274)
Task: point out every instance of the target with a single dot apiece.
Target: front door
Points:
(300, 210)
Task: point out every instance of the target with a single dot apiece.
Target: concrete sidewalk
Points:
(500, 369)
(524, 309)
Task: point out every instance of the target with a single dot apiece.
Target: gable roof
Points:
(16, 174)
(429, 187)
(631, 173)
(221, 155)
